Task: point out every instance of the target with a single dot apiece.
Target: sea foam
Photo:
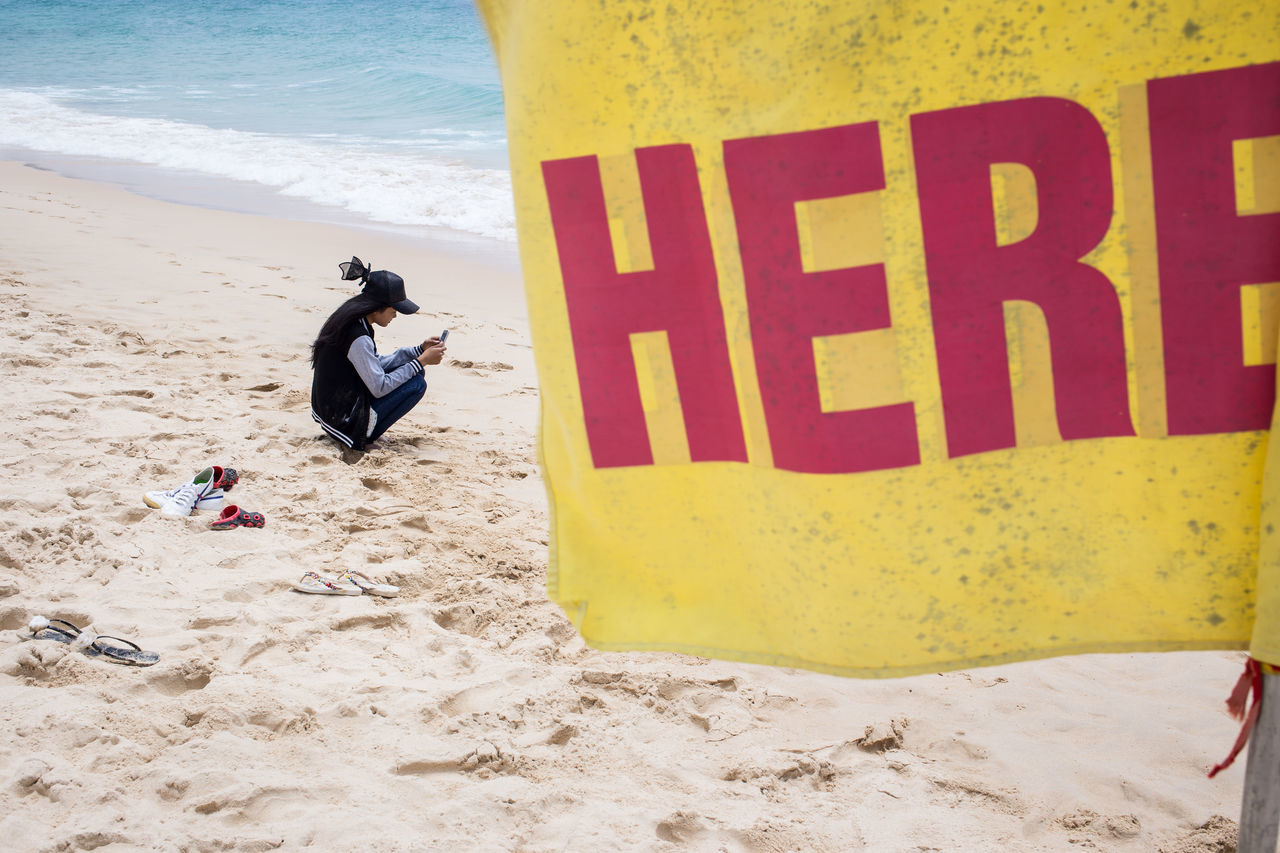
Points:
(399, 184)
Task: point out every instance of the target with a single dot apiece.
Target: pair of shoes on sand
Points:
(205, 492)
(350, 582)
(92, 644)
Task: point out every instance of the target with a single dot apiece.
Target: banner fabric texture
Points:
(880, 338)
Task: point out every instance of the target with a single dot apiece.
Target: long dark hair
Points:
(331, 332)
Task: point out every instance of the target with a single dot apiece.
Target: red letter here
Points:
(789, 307)
(679, 295)
(1206, 250)
(970, 276)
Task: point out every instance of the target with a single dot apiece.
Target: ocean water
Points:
(386, 111)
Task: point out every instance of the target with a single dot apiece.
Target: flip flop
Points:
(93, 645)
(369, 585)
(234, 516)
(123, 651)
(58, 630)
(321, 585)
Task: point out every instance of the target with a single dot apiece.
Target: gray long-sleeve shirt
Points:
(383, 374)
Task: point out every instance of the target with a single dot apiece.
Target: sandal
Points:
(123, 651)
(58, 630)
(93, 645)
(321, 585)
(368, 584)
(234, 516)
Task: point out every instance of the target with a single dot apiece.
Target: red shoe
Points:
(234, 516)
(225, 478)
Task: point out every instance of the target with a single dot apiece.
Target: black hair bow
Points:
(354, 269)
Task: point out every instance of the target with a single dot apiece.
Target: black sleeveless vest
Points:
(339, 397)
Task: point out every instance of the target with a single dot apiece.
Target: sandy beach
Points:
(145, 340)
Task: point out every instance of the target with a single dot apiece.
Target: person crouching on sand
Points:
(357, 394)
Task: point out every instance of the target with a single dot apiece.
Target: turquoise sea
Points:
(382, 111)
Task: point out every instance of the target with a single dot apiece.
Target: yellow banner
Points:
(880, 338)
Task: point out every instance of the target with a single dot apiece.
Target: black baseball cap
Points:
(388, 288)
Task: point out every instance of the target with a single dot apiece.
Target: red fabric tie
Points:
(1250, 678)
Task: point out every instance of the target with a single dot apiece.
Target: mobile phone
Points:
(444, 335)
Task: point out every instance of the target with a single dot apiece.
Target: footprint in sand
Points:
(462, 618)
(390, 619)
(187, 676)
(247, 592)
(376, 485)
(473, 700)
(132, 515)
(680, 828)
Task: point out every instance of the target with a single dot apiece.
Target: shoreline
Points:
(145, 340)
(295, 249)
(227, 195)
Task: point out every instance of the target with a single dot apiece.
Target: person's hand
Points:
(431, 341)
(432, 354)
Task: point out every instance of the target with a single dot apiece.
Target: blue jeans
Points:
(392, 407)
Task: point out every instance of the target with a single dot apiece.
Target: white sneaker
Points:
(183, 499)
(213, 501)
